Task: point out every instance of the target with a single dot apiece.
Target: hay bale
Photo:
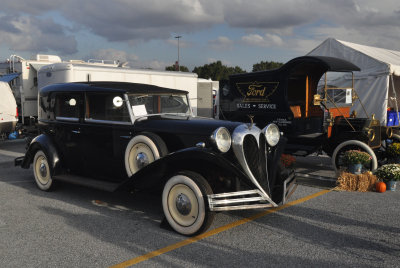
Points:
(352, 182)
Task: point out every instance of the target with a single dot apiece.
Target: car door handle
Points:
(76, 131)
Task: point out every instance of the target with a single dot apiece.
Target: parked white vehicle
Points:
(21, 74)
(8, 109)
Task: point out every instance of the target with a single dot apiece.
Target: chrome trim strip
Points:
(234, 194)
(289, 186)
(237, 145)
(243, 207)
(89, 120)
(222, 202)
(238, 200)
(69, 119)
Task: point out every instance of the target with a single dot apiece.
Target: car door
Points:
(106, 128)
(68, 107)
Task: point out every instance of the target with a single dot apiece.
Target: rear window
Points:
(67, 106)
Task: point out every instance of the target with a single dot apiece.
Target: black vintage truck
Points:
(309, 98)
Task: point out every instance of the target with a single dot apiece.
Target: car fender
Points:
(187, 159)
(45, 143)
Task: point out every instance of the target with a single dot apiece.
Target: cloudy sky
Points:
(237, 32)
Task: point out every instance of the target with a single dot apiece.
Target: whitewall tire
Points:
(185, 205)
(42, 171)
(143, 150)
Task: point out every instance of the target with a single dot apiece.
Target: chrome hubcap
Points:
(183, 204)
(142, 160)
(43, 170)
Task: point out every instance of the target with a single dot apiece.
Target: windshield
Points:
(338, 87)
(143, 105)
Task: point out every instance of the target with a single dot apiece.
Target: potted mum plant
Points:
(287, 160)
(393, 153)
(390, 174)
(356, 159)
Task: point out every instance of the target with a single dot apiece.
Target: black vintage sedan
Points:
(112, 136)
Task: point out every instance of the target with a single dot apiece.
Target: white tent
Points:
(378, 82)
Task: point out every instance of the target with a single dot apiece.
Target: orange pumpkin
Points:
(380, 187)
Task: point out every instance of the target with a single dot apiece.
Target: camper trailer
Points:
(8, 110)
(25, 78)
(21, 74)
(66, 72)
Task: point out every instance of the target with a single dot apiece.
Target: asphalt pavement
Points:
(75, 226)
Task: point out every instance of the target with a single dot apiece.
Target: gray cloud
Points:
(267, 22)
(28, 33)
(112, 54)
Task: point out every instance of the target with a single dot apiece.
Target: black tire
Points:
(142, 150)
(43, 172)
(352, 145)
(185, 204)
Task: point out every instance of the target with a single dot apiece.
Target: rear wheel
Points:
(185, 205)
(42, 171)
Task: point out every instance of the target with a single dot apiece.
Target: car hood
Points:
(188, 125)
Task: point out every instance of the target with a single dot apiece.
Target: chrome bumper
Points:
(250, 199)
(289, 186)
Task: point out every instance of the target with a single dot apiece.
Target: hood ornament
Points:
(251, 120)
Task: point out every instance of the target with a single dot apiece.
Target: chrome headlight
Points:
(272, 134)
(222, 139)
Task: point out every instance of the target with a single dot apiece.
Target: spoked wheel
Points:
(185, 205)
(338, 153)
(42, 171)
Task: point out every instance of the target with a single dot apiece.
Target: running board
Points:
(238, 200)
(88, 182)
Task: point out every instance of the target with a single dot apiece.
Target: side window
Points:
(67, 106)
(106, 107)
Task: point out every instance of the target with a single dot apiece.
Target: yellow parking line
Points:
(214, 232)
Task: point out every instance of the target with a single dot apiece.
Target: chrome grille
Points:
(248, 144)
(252, 155)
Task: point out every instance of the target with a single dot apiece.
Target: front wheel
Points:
(184, 201)
(339, 151)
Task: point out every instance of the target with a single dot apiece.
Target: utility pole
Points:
(177, 63)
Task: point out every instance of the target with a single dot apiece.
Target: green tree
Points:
(266, 65)
(216, 71)
(173, 68)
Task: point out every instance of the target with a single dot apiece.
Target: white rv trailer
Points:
(8, 110)
(21, 74)
(207, 98)
(66, 72)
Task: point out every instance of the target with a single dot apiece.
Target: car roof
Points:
(116, 87)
